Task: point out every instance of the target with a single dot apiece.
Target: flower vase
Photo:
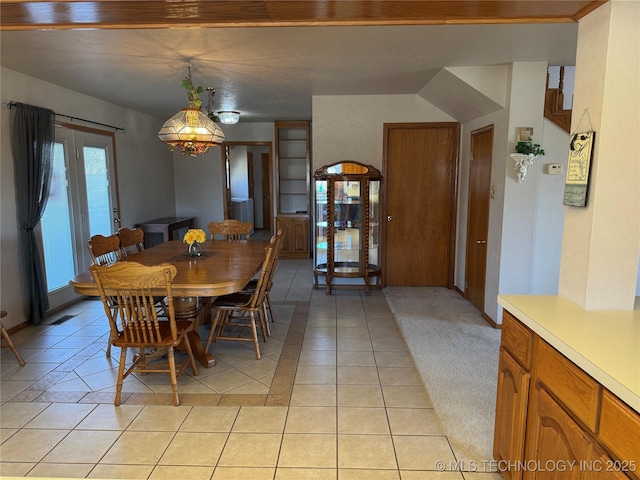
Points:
(194, 249)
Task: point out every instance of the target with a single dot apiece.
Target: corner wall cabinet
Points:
(293, 181)
(347, 224)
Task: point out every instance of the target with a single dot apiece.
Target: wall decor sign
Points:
(578, 167)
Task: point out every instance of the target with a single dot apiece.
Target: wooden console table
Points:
(166, 226)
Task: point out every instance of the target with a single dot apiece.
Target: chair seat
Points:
(182, 326)
(239, 299)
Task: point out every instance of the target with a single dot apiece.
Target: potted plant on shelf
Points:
(526, 152)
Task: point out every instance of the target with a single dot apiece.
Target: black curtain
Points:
(32, 146)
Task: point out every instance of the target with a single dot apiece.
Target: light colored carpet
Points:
(456, 352)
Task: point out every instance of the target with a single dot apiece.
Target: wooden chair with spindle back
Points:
(276, 240)
(127, 293)
(131, 240)
(237, 312)
(105, 250)
(230, 229)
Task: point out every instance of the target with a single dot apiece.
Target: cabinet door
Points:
(511, 414)
(603, 467)
(295, 243)
(554, 441)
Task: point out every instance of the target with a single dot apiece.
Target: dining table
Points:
(223, 267)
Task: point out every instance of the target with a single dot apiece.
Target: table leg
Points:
(191, 308)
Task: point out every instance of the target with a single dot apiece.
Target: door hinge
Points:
(471, 156)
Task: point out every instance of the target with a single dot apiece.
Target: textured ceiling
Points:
(271, 73)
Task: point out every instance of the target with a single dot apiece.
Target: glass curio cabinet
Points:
(347, 225)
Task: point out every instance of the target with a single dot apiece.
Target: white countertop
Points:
(605, 344)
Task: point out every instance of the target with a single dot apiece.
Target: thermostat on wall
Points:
(553, 169)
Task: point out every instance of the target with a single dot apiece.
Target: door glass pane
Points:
(97, 181)
(56, 226)
(347, 222)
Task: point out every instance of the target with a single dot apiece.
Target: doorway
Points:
(248, 186)
(83, 201)
(478, 215)
(419, 184)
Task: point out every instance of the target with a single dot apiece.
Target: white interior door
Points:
(82, 203)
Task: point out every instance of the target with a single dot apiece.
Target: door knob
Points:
(389, 218)
(481, 242)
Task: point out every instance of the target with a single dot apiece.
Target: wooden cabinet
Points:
(554, 441)
(511, 411)
(571, 427)
(295, 243)
(347, 224)
(292, 186)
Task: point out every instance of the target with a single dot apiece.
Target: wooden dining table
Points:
(223, 267)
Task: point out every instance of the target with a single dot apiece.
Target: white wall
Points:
(350, 127)
(549, 212)
(599, 266)
(145, 170)
(239, 171)
(526, 107)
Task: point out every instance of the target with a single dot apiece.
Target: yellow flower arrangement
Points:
(194, 235)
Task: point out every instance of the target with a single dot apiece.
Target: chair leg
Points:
(254, 330)
(264, 323)
(187, 347)
(5, 336)
(123, 358)
(214, 324)
(172, 372)
(268, 300)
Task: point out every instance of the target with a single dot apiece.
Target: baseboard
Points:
(491, 322)
(486, 317)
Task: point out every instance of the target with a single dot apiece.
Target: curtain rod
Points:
(13, 104)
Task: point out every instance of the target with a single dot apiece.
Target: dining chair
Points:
(126, 288)
(105, 250)
(8, 342)
(131, 240)
(237, 312)
(230, 229)
(277, 239)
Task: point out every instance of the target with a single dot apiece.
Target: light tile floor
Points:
(336, 396)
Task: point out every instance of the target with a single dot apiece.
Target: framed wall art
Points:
(578, 168)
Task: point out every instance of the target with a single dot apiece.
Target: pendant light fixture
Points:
(190, 130)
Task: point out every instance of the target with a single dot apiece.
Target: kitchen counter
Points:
(605, 344)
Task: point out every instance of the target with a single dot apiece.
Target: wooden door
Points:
(419, 181)
(478, 215)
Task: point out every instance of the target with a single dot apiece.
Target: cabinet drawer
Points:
(517, 339)
(620, 429)
(577, 390)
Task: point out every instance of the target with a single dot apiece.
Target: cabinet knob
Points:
(389, 218)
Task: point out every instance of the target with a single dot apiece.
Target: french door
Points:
(82, 202)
